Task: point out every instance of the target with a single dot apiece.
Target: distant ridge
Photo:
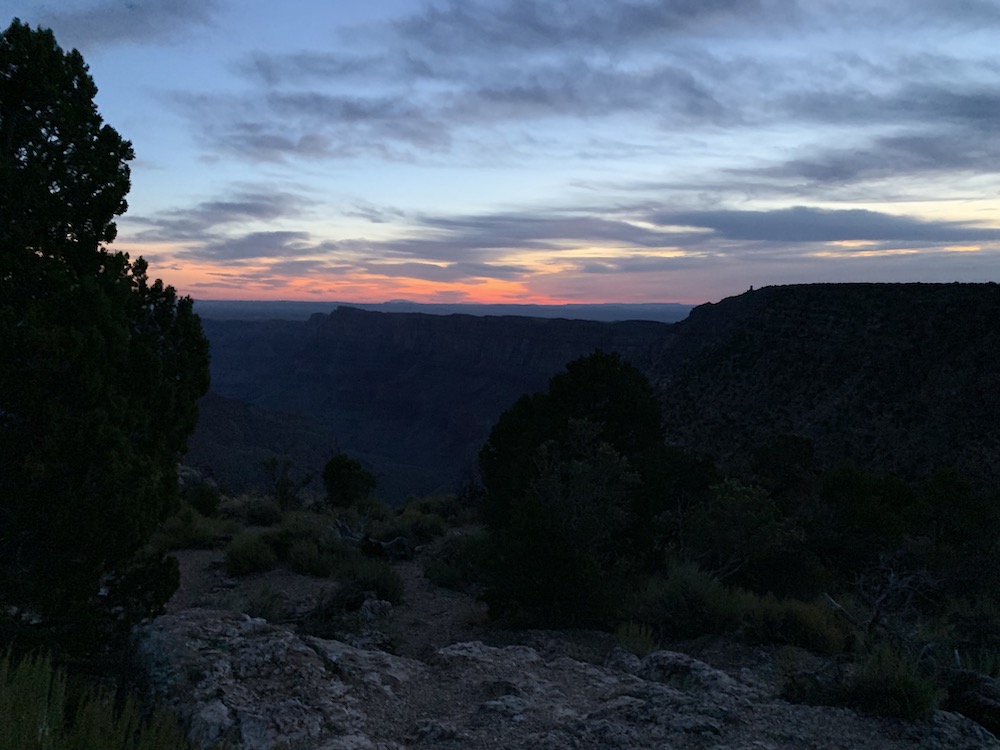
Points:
(661, 312)
(898, 378)
(411, 395)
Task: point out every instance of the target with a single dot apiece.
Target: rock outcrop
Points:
(262, 686)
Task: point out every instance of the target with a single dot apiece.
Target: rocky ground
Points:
(454, 683)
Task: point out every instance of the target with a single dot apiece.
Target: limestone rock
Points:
(264, 687)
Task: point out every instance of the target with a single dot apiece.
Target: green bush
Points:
(188, 529)
(40, 711)
(305, 556)
(419, 526)
(263, 511)
(249, 553)
(371, 575)
(254, 510)
(689, 602)
(456, 561)
(889, 684)
(357, 578)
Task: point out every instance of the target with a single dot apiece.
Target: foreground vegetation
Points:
(43, 709)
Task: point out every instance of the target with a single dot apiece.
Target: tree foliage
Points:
(100, 368)
(573, 480)
(347, 482)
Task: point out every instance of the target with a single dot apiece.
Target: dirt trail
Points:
(431, 617)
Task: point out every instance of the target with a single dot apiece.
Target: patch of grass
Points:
(266, 603)
(40, 711)
(889, 684)
(637, 637)
(249, 553)
(811, 625)
(689, 602)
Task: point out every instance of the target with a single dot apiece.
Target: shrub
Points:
(263, 511)
(305, 556)
(889, 684)
(371, 575)
(267, 604)
(357, 578)
(255, 510)
(189, 529)
(813, 626)
(689, 602)
(249, 553)
(416, 525)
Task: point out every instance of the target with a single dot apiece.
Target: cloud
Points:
(448, 273)
(517, 26)
(205, 219)
(478, 79)
(803, 224)
(375, 214)
(276, 244)
(899, 156)
(128, 21)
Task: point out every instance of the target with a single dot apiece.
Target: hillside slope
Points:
(897, 377)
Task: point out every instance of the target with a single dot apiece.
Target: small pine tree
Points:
(347, 482)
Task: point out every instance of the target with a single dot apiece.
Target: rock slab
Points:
(261, 687)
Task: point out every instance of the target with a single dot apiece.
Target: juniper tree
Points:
(100, 368)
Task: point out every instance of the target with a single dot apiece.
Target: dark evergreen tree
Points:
(347, 482)
(574, 479)
(100, 369)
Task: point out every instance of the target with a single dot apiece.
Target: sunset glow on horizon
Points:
(512, 151)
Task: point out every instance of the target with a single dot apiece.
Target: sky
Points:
(566, 151)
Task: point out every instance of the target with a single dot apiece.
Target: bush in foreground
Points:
(249, 553)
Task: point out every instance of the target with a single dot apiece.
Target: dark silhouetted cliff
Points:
(896, 377)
